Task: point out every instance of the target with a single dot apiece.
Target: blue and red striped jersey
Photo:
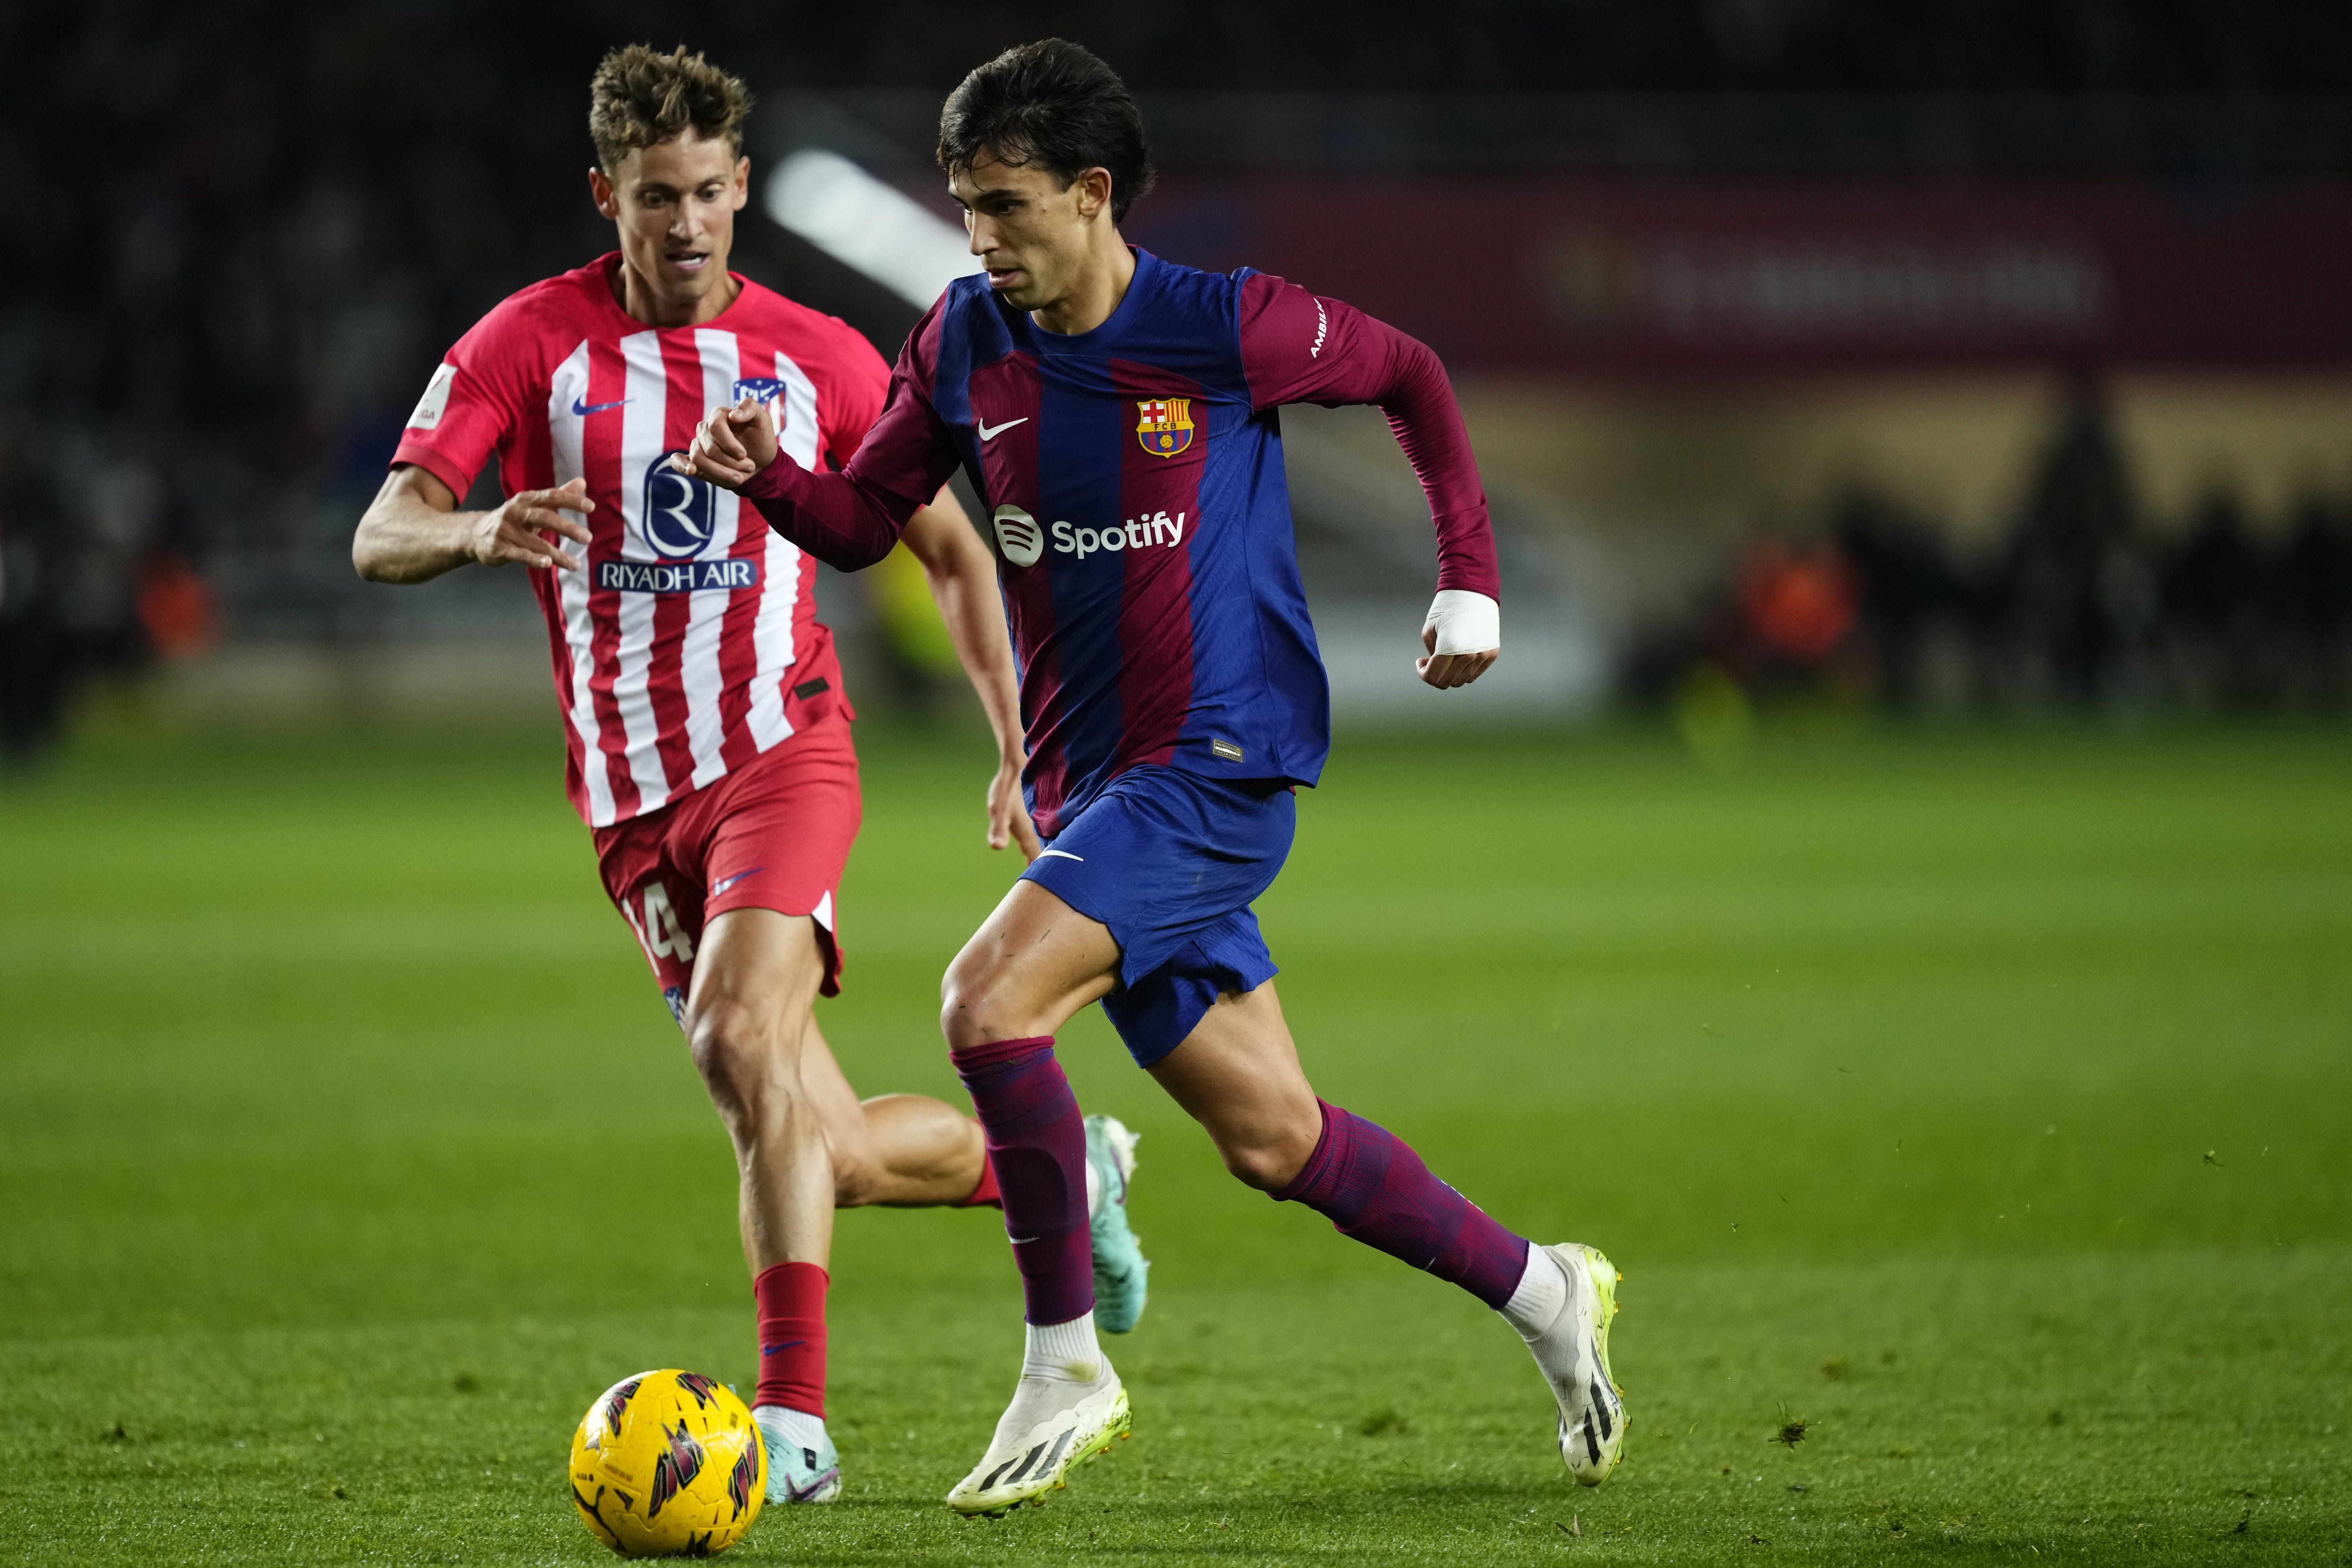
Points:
(1134, 481)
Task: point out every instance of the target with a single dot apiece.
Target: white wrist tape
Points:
(1466, 621)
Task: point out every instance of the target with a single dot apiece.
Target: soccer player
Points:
(708, 735)
(1119, 411)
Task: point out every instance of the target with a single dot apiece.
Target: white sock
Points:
(1064, 1353)
(1541, 1295)
(793, 1428)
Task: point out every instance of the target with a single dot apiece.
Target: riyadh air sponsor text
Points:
(1136, 533)
(677, 577)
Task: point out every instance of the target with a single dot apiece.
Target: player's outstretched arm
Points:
(412, 531)
(962, 577)
(849, 520)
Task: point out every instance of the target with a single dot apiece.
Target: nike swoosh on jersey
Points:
(581, 406)
(1064, 854)
(991, 432)
(723, 883)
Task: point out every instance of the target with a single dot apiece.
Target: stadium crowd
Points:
(255, 226)
(2083, 605)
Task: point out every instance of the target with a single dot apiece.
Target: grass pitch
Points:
(1972, 1115)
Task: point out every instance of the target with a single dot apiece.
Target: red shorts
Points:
(773, 835)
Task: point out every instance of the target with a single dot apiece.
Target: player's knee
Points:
(970, 1005)
(734, 1049)
(1258, 1167)
(1269, 1159)
(1265, 1166)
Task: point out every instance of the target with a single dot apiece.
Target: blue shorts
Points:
(1170, 861)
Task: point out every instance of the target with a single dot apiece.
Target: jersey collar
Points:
(607, 267)
(1146, 277)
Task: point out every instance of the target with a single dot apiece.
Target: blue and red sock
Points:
(1037, 1150)
(1372, 1187)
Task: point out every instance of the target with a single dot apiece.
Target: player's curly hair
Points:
(641, 96)
(1053, 104)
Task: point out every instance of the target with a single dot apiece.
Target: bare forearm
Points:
(975, 622)
(412, 531)
(963, 578)
(404, 539)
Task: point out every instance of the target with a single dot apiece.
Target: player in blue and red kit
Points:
(1119, 413)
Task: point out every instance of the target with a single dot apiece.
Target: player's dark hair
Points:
(641, 96)
(1051, 103)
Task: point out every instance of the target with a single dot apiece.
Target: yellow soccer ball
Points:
(668, 1464)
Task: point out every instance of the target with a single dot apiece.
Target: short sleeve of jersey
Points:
(860, 384)
(473, 400)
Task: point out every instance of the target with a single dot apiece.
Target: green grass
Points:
(1981, 1101)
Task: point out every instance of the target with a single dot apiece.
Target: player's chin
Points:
(1017, 290)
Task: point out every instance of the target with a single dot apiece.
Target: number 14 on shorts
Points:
(658, 929)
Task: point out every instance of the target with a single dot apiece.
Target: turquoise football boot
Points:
(1122, 1271)
(797, 1473)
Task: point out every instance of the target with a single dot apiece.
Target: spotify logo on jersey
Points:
(1018, 535)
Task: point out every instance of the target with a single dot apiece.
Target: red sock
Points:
(986, 1192)
(790, 1297)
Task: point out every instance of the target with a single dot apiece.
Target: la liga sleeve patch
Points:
(430, 407)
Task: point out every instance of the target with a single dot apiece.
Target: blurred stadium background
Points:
(1958, 357)
(1973, 1091)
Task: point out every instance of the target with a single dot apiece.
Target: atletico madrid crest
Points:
(1166, 427)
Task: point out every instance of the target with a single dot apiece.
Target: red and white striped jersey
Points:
(690, 642)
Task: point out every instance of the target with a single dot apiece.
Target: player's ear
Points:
(1094, 192)
(599, 191)
(742, 181)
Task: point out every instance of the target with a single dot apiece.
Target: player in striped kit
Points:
(709, 743)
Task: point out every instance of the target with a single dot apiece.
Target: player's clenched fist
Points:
(527, 527)
(1463, 635)
(734, 443)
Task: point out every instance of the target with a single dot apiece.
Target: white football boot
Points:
(1063, 1414)
(1573, 1351)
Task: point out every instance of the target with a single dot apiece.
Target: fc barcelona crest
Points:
(1166, 427)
